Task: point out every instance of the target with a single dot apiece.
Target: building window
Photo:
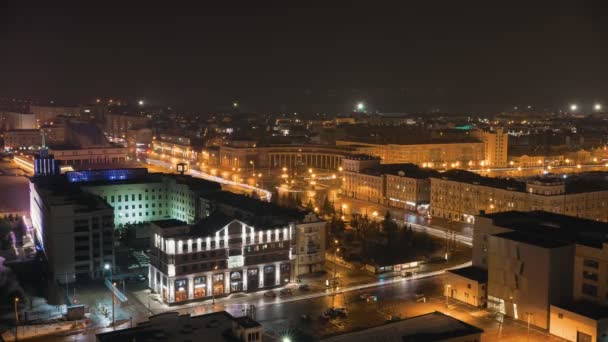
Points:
(590, 275)
(589, 290)
(591, 263)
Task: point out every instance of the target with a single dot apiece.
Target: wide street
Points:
(401, 298)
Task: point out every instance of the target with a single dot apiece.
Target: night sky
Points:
(316, 56)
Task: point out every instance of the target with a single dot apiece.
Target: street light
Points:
(574, 107)
(16, 316)
(109, 267)
(141, 102)
(597, 106)
(360, 106)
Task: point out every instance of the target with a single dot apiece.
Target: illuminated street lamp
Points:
(360, 106)
(574, 107)
(141, 102)
(235, 104)
(597, 106)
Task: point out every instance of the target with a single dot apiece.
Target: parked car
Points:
(285, 292)
(270, 294)
(304, 287)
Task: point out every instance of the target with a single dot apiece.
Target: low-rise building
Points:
(217, 256)
(22, 139)
(434, 326)
(468, 285)
(171, 326)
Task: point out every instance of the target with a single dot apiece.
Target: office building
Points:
(74, 228)
(171, 326)
(18, 120)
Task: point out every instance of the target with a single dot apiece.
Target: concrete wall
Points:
(567, 324)
(465, 290)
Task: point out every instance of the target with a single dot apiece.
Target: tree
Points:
(327, 208)
(310, 206)
(390, 228)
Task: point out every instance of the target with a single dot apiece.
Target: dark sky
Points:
(316, 56)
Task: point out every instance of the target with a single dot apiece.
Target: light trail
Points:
(198, 174)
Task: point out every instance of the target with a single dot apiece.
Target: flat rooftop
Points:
(534, 240)
(578, 183)
(405, 170)
(168, 223)
(559, 227)
(585, 308)
(172, 326)
(433, 326)
(474, 273)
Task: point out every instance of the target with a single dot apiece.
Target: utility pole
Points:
(16, 318)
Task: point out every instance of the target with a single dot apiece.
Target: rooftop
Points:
(434, 326)
(361, 156)
(210, 224)
(579, 183)
(169, 223)
(562, 227)
(534, 239)
(586, 308)
(172, 326)
(255, 207)
(464, 176)
(473, 273)
(404, 170)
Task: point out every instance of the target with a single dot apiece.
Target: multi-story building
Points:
(47, 114)
(177, 149)
(217, 327)
(17, 120)
(138, 196)
(135, 196)
(76, 156)
(279, 156)
(496, 143)
(397, 185)
(460, 195)
(217, 256)
(118, 125)
(308, 229)
(75, 229)
(544, 269)
(22, 139)
(435, 155)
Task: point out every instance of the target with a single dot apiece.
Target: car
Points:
(285, 292)
(270, 294)
(340, 311)
(304, 287)
(407, 274)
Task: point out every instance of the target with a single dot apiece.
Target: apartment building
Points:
(496, 144)
(460, 195)
(436, 155)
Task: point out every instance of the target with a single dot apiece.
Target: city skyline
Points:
(407, 58)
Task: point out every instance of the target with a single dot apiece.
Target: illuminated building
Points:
(542, 268)
(217, 256)
(73, 228)
(22, 139)
(496, 143)
(119, 125)
(441, 155)
(460, 195)
(397, 185)
(47, 114)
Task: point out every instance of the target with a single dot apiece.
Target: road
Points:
(399, 299)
